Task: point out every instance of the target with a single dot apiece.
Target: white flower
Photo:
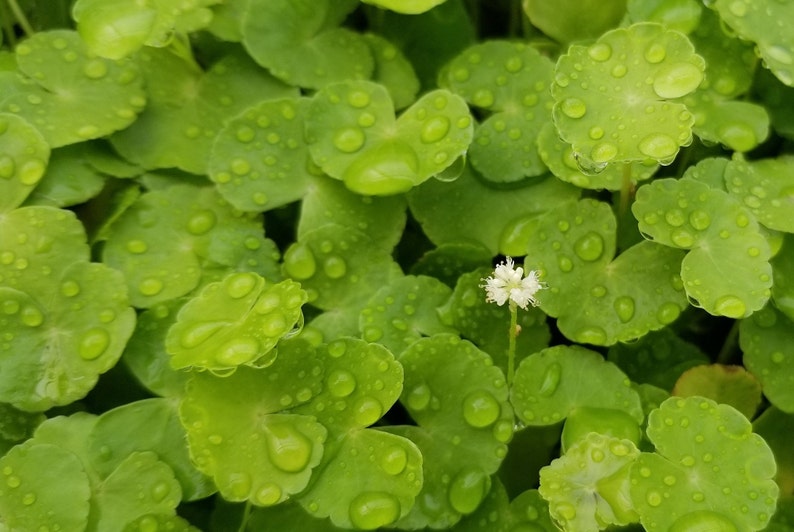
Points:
(509, 283)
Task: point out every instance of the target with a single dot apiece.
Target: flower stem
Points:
(625, 190)
(246, 515)
(511, 344)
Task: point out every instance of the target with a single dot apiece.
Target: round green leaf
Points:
(24, 156)
(766, 188)
(741, 126)
(43, 486)
(69, 180)
(563, 21)
(766, 26)
(241, 433)
(300, 43)
(730, 385)
(403, 311)
(587, 487)
(69, 94)
(354, 136)
(767, 340)
(68, 318)
(552, 383)
(641, 70)
(493, 218)
(573, 248)
(511, 81)
(783, 272)
(559, 157)
(459, 399)
(776, 427)
(188, 107)
(393, 70)
(210, 233)
(259, 160)
(709, 471)
(147, 425)
(233, 322)
(679, 15)
(726, 271)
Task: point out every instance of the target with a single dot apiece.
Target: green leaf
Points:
(299, 41)
(70, 178)
(726, 271)
(69, 94)
(741, 126)
(68, 318)
(573, 248)
(44, 486)
(679, 15)
(775, 427)
(147, 425)
(211, 234)
(552, 383)
(563, 21)
(766, 27)
(411, 7)
(448, 261)
(16, 426)
(766, 188)
(172, 523)
(242, 433)
(24, 156)
(510, 81)
(259, 160)
(188, 107)
(354, 136)
(403, 311)
(730, 385)
(437, 206)
(783, 269)
(709, 471)
(767, 340)
(632, 119)
(233, 322)
(459, 399)
(393, 70)
(338, 266)
(587, 487)
(559, 157)
(117, 28)
(486, 324)
(658, 358)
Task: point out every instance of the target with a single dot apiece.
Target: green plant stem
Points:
(729, 346)
(511, 344)
(625, 190)
(22, 20)
(246, 515)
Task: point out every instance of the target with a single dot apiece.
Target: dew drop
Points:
(668, 313)
(245, 134)
(435, 129)
(480, 409)
(238, 485)
(289, 449)
(31, 316)
(358, 99)
(93, 343)
(653, 498)
(461, 74)
(419, 398)
(268, 495)
(658, 146)
(730, 306)
(28, 499)
(349, 139)
(150, 286)
(682, 238)
(777, 357)
(619, 70)
(591, 335)
(201, 222)
(573, 108)
(371, 510)
(700, 220)
(596, 133)
(13, 481)
(655, 53)
(677, 80)
(95, 69)
(598, 291)
(703, 520)
(334, 267)
(468, 489)
(341, 383)
(299, 262)
(394, 460)
(624, 308)
(780, 54)
(738, 8)
(70, 288)
(483, 98)
(137, 247)
(239, 285)
(550, 380)
(367, 411)
(674, 217)
(199, 333)
(603, 152)
(564, 263)
(238, 351)
(600, 52)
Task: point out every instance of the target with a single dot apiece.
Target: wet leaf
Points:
(24, 156)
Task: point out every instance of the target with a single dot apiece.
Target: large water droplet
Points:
(419, 397)
(573, 108)
(394, 460)
(238, 351)
(700, 220)
(95, 69)
(600, 52)
(653, 498)
(668, 313)
(603, 152)
(658, 146)
(374, 509)
(655, 53)
(731, 307)
(589, 247)
(239, 285)
(238, 486)
(480, 409)
(367, 411)
(334, 267)
(677, 80)
(551, 380)
(349, 139)
(268, 494)
(341, 383)
(591, 335)
(31, 172)
(289, 449)
(468, 489)
(624, 308)
(199, 333)
(93, 343)
(682, 238)
(703, 520)
(299, 262)
(150, 286)
(434, 129)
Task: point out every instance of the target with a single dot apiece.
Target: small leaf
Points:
(24, 156)
(731, 385)
(587, 487)
(726, 271)
(393, 70)
(709, 470)
(766, 188)
(644, 68)
(354, 136)
(233, 322)
(552, 383)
